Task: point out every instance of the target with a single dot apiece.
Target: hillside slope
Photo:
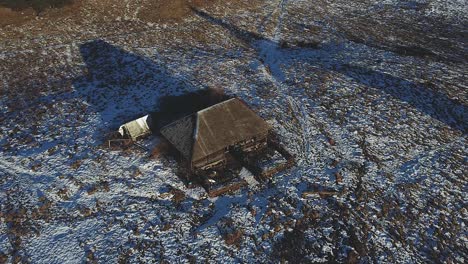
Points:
(370, 96)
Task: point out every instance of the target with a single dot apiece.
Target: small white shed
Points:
(136, 128)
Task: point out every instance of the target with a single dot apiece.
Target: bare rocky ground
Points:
(370, 96)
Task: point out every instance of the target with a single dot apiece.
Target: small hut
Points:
(206, 137)
(135, 129)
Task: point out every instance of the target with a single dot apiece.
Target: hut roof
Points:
(136, 128)
(214, 128)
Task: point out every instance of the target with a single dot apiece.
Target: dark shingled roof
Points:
(214, 128)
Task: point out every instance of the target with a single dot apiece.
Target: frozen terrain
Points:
(370, 96)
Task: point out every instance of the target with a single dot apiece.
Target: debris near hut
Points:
(130, 132)
(220, 141)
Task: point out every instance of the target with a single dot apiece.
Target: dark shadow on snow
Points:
(426, 100)
(123, 86)
(119, 86)
(173, 107)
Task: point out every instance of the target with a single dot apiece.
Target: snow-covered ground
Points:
(370, 96)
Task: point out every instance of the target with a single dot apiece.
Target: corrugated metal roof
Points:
(213, 129)
(180, 134)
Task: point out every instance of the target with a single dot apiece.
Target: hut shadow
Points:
(122, 86)
(117, 86)
(272, 54)
(172, 107)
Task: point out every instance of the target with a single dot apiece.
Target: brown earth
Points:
(86, 19)
(8, 16)
(15, 16)
(148, 11)
(170, 9)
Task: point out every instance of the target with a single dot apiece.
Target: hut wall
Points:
(218, 159)
(215, 160)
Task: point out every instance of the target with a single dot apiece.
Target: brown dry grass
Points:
(149, 11)
(9, 16)
(234, 238)
(157, 11)
(163, 148)
(178, 195)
